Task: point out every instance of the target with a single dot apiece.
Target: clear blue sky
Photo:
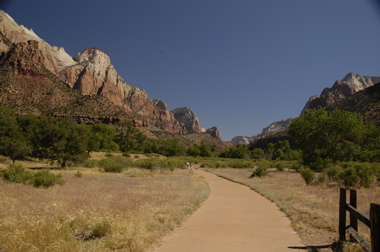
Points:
(239, 64)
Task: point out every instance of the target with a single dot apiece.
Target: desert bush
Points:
(280, 166)
(90, 163)
(156, 163)
(108, 154)
(17, 174)
(115, 163)
(126, 154)
(308, 175)
(78, 174)
(110, 165)
(46, 179)
(260, 171)
(365, 174)
(241, 164)
(96, 227)
(149, 163)
(352, 175)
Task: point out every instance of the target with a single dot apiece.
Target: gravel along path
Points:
(233, 219)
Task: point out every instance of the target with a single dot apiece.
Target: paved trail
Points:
(233, 219)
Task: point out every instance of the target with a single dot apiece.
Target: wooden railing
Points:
(373, 222)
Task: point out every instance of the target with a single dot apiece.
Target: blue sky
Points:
(239, 64)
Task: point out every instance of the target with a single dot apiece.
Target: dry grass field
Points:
(97, 211)
(313, 210)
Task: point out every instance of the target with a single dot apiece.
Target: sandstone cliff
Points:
(28, 87)
(349, 85)
(90, 72)
(42, 79)
(187, 117)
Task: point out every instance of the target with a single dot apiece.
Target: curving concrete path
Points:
(233, 219)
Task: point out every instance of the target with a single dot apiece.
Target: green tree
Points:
(257, 153)
(194, 151)
(69, 142)
(130, 138)
(59, 139)
(101, 137)
(13, 144)
(205, 149)
(318, 133)
(239, 151)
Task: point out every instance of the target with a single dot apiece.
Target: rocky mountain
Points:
(272, 129)
(187, 117)
(342, 89)
(365, 102)
(242, 139)
(334, 97)
(39, 78)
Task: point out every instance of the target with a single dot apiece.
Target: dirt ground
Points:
(233, 218)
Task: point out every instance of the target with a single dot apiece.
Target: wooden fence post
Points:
(375, 227)
(353, 219)
(342, 214)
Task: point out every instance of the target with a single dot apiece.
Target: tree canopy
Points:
(324, 136)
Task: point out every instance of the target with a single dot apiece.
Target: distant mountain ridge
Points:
(342, 95)
(342, 89)
(272, 129)
(38, 78)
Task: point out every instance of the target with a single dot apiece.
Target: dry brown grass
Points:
(313, 210)
(129, 211)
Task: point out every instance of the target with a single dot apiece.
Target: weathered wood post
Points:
(375, 227)
(342, 214)
(353, 218)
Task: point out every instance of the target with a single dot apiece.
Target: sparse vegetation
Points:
(308, 175)
(126, 211)
(260, 171)
(18, 174)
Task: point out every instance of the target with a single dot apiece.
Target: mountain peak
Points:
(95, 56)
(359, 82)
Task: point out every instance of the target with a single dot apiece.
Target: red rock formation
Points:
(214, 132)
(91, 73)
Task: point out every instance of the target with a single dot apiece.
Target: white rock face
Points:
(64, 60)
(272, 129)
(30, 34)
(187, 117)
(276, 127)
(242, 139)
(359, 82)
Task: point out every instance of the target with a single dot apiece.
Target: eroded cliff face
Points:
(187, 117)
(28, 87)
(349, 85)
(90, 72)
(95, 75)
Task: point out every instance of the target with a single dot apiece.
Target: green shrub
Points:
(46, 179)
(17, 174)
(126, 154)
(349, 177)
(110, 165)
(280, 166)
(91, 163)
(260, 171)
(365, 174)
(241, 164)
(78, 174)
(307, 175)
(115, 164)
